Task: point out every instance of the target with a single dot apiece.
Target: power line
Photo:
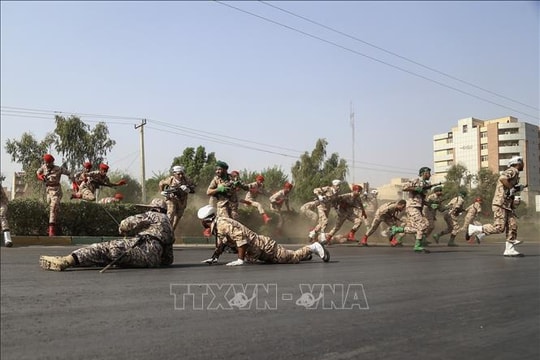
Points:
(395, 54)
(375, 59)
(202, 135)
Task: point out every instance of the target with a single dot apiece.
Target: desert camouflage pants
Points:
(469, 218)
(145, 254)
(3, 216)
(323, 210)
(308, 210)
(452, 225)
(175, 211)
(388, 220)
(87, 194)
(502, 220)
(54, 195)
(416, 222)
(352, 216)
(281, 255)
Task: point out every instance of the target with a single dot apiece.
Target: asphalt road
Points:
(366, 303)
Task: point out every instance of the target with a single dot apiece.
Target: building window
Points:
(465, 128)
(450, 162)
(449, 152)
(483, 134)
(483, 158)
(483, 146)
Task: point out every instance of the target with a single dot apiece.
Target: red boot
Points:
(328, 239)
(350, 236)
(266, 218)
(394, 242)
(363, 242)
(52, 231)
(207, 232)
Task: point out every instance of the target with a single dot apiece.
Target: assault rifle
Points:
(177, 190)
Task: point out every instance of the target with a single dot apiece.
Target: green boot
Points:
(418, 246)
(451, 241)
(436, 238)
(397, 229)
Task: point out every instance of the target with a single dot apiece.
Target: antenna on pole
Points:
(351, 116)
(143, 187)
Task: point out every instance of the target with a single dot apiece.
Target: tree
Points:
(457, 180)
(76, 141)
(200, 167)
(29, 152)
(313, 170)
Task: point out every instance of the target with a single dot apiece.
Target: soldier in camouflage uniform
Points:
(151, 247)
(3, 215)
(470, 215)
(309, 210)
(326, 197)
(453, 209)
(50, 174)
(251, 246)
(350, 207)
(389, 214)
(277, 200)
(237, 185)
(112, 199)
(503, 206)
(433, 204)
(255, 189)
(221, 190)
(416, 221)
(80, 176)
(92, 181)
(176, 188)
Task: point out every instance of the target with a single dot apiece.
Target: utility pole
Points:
(352, 126)
(143, 186)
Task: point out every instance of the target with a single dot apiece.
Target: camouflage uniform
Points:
(470, 215)
(308, 209)
(387, 213)
(371, 204)
(416, 221)
(94, 179)
(329, 194)
(350, 207)
(254, 190)
(177, 202)
(109, 200)
(453, 209)
(4, 210)
(222, 200)
(154, 248)
(54, 189)
(277, 200)
(503, 207)
(433, 203)
(259, 247)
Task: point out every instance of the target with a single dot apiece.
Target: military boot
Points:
(56, 263)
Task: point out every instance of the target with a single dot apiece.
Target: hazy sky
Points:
(258, 85)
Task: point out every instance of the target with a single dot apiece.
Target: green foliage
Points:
(31, 217)
(313, 171)
(29, 152)
(200, 167)
(76, 141)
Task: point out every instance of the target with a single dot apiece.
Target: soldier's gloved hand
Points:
(237, 262)
(320, 197)
(41, 177)
(434, 206)
(184, 188)
(519, 187)
(210, 261)
(222, 188)
(164, 193)
(122, 182)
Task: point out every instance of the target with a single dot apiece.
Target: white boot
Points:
(511, 251)
(322, 238)
(317, 248)
(312, 234)
(479, 237)
(474, 229)
(7, 239)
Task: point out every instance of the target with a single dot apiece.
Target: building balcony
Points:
(509, 149)
(506, 137)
